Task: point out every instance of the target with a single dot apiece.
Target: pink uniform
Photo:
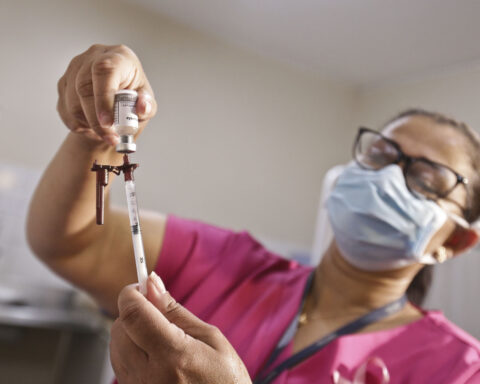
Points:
(230, 280)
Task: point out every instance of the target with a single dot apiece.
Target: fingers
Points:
(155, 287)
(180, 316)
(146, 326)
(73, 124)
(107, 74)
(124, 353)
(86, 97)
(146, 105)
(87, 90)
(75, 115)
(173, 356)
(172, 311)
(119, 68)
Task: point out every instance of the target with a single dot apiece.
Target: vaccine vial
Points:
(125, 121)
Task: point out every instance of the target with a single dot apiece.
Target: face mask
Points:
(378, 224)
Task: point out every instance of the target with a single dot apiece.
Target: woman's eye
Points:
(383, 153)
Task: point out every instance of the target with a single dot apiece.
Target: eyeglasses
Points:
(424, 178)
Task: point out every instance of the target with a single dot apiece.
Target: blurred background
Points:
(257, 100)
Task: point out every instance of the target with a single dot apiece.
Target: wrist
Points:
(99, 150)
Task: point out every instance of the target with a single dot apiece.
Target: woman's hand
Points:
(86, 91)
(158, 341)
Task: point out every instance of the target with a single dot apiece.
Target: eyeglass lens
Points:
(427, 179)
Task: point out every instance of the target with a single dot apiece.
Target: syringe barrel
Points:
(138, 249)
(132, 204)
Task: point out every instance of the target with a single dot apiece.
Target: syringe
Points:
(125, 125)
(138, 250)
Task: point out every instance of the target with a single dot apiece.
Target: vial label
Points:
(125, 111)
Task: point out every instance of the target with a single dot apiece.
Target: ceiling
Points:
(359, 41)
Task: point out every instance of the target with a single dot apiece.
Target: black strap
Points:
(292, 328)
(308, 351)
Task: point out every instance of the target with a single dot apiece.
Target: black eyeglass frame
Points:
(408, 160)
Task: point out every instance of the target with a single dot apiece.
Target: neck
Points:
(340, 289)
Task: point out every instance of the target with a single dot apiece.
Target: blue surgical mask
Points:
(378, 223)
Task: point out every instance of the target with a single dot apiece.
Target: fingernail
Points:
(105, 119)
(157, 281)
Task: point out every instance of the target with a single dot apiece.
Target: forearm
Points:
(61, 219)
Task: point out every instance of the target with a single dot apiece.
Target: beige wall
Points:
(455, 92)
(239, 140)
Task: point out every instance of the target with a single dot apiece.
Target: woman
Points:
(406, 201)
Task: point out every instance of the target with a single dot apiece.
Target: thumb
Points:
(144, 324)
(180, 316)
(146, 104)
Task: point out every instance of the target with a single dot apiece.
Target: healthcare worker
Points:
(408, 199)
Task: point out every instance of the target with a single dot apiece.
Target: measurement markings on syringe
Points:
(136, 229)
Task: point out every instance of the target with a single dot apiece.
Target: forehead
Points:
(420, 136)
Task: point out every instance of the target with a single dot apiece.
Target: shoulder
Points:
(232, 250)
(176, 225)
(186, 237)
(449, 332)
(431, 349)
(203, 233)
(454, 352)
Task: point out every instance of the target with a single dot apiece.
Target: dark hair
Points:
(418, 288)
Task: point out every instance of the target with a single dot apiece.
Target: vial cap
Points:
(126, 147)
(126, 144)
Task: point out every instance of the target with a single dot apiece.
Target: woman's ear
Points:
(461, 240)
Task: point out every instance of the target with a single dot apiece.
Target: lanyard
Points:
(300, 356)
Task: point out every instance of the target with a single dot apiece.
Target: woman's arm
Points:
(61, 226)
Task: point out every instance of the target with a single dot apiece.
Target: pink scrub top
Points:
(230, 280)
